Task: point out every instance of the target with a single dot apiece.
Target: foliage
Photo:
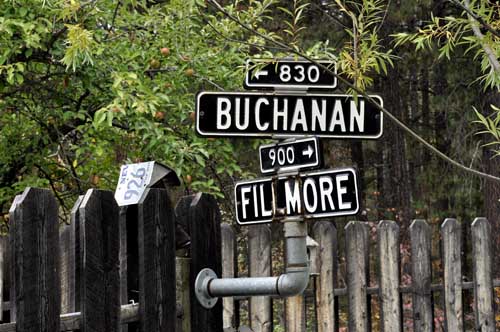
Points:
(86, 86)
(476, 31)
(363, 55)
(449, 32)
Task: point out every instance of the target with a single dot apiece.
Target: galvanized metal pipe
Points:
(294, 281)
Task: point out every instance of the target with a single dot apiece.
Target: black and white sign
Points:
(300, 74)
(256, 114)
(318, 194)
(296, 154)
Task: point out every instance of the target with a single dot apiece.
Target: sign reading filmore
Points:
(318, 194)
(291, 74)
(293, 155)
(256, 114)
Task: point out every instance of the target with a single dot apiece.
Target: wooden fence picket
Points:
(357, 275)
(388, 253)
(4, 255)
(69, 241)
(259, 265)
(325, 233)
(99, 249)
(451, 234)
(34, 235)
(420, 234)
(483, 283)
(229, 270)
(157, 281)
(12, 245)
(123, 258)
(201, 214)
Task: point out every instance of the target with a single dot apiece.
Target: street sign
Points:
(293, 155)
(300, 74)
(257, 114)
(318, 194)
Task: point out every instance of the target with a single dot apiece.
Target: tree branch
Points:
(477, 32)
(477, 18)
(393, 118)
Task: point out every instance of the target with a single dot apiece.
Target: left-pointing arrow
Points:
(261, 73)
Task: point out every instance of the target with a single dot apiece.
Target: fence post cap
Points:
(450, 222)
(479, 221)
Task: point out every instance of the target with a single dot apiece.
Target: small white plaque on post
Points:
(135, 178)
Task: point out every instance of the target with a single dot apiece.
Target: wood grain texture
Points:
(229, 270)
(483, 284)
(259, 265)
(69, 242)
(295, 314)
(4, 244)
(122, 224)
(420, 234)
(388, 253)
(182, 265)
(357, 275)
(99, 250)
(36, 261)
(13, 239)
(201, 215)
(451, 238)
(156, 262)
(325, 233)
(75, 258)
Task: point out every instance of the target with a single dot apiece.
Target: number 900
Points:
(282, 156)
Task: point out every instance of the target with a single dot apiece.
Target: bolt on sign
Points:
(257, 114)
(317, 194)
(290, 74)
(290, 155)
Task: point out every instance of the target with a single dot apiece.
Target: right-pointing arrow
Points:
(308, 152)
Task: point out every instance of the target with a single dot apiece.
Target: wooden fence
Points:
(360, 296)
(116, 269)
(111, 269)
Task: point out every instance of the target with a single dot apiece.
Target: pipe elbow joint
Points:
(294, 282)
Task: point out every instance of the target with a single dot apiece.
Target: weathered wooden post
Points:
(388, 253)
(34, 237)
(229, 270)
(69, 240)
(325, 233)
(99, 252)
(420, 234)
(483, 284)
(4, 254)
(201, 214)
(357, 275)
(156, 238)
(183, 292)
(259, 265)
(451, 234)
